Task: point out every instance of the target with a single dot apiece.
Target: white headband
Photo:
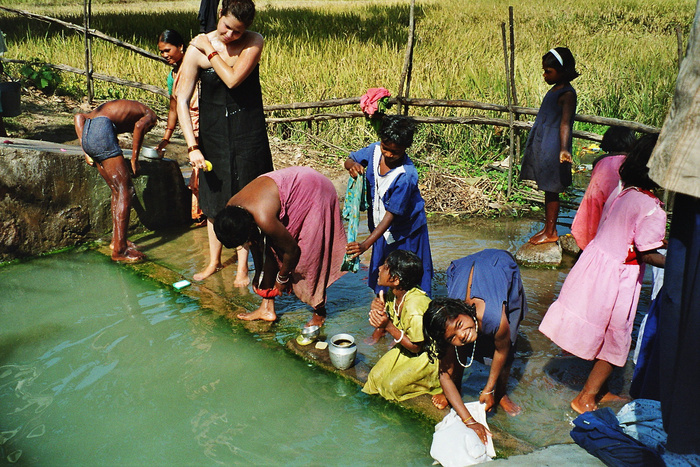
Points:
(557, 56)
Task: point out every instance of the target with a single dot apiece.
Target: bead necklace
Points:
(471, 360)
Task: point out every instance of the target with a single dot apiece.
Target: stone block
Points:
(546, 254)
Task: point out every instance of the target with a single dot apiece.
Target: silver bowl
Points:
(311, 332)
(149, 153)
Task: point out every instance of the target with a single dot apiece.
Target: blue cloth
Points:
(496, 280)
(409, 227)
(402, 199)
(645, 380)
(599, 433)
(418, 243)
(679, 316)
(99, 139)
(541, 159)
(355, 201)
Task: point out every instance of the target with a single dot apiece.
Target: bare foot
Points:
(610, 397)
(440, 401)
(376, 335)
(208, 271)
(261, 313)
(540, 237)
(242, 279)
(584, 403)
(130, 255)
(316, 320)
(509, 406)
(129, 244)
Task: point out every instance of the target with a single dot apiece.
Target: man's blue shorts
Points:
(100, 139)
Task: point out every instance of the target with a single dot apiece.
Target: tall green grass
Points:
(625, 50)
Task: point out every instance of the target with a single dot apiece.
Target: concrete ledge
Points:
(50, 198)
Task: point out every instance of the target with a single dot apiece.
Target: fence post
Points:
(407, 62)
(87, 13)
(510, 110)
(513, 92)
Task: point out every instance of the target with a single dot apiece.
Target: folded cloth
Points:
(456, 445)
(355, 201)
(368, 102)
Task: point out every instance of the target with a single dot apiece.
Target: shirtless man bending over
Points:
(97, 132)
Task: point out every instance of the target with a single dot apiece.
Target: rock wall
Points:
(50, 198)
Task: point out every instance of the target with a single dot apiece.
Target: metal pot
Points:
(342, 350)
(149, 153)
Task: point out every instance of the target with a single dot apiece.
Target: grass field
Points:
(626, 51)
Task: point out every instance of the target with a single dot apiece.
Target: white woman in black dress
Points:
(232, 135)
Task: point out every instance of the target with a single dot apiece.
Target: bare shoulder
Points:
(254, 38)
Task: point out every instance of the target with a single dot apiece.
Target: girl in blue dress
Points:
(547, 158)
(397, 217)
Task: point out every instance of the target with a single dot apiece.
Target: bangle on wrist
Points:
(212, 55)
(465, 420)
(282, 279)
(194, 147)
(396, 341)
(487, 392)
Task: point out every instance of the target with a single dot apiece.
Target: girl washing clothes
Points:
(405, 371)
(397, 219)
(547, 158)
(595, 311)
(451, 328)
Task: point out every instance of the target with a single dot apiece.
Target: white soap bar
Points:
(181, 284)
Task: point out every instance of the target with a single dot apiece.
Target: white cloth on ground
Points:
(456, 445)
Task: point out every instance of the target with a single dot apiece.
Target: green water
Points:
(99, 366)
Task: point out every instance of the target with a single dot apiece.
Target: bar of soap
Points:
(180, 284)
(321, 345)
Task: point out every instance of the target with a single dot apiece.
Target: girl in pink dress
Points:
(594, 314)
(617, 142)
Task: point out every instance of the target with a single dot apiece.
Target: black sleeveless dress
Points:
(232, 136)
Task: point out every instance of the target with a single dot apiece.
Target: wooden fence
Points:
(403, 101)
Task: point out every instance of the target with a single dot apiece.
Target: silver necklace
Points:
(471, 360)
(397, 309)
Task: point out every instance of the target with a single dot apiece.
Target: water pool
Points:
(99, 366)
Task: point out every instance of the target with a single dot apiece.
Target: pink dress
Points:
(604, 179)
(311, 213)
(594, 314)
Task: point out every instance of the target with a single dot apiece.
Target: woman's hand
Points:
(355, 169)
(161, 147)
(355, 249)
(481, 431)
(197, 159)
(565, 156)
(377, 316)
(202, 43)
(488, 399)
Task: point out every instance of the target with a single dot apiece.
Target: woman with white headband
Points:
(547, 158)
